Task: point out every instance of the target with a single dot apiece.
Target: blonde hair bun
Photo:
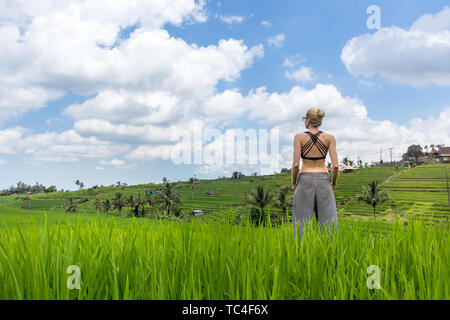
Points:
(316, 115)
(320, 113)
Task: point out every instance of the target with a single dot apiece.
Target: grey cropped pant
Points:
(314, 194)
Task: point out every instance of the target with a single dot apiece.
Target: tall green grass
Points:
(190, 260)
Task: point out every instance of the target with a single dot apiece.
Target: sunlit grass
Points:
(180, 260)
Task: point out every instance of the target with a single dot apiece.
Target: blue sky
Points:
(315, 34)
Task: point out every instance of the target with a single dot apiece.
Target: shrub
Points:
(256, 217)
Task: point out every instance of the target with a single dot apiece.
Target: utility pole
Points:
(390, 154)
(381, 156)
(448, 192)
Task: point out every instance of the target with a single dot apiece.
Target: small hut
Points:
(197, 213)
(347, 169)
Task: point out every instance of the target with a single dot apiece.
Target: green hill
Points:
(419, 191)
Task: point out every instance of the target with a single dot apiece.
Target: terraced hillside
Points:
(349, 184)
(419, 192)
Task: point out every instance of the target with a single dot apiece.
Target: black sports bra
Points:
(314, 140)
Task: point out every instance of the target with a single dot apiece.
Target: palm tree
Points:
(192, 182)
(432, 151)
(283, 201)
(97, 202)
(140, 202)
(258, 198)
(360, 163)
(106, 206)
(345, 161)
(373, 196)
(119, 202)
(71, 206)
(134, 203)
(149, 198)
(167, 199)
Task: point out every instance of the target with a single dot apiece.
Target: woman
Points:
(314, 191)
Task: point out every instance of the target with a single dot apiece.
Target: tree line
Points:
(163, 202)
(23, 188)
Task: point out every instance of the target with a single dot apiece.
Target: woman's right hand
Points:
(333, 185)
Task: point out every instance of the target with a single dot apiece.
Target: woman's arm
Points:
(296, 160)
(334, 160)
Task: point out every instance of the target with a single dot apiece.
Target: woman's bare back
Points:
(312, 150)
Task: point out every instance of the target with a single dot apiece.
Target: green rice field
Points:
(173, 260)
(209, 257)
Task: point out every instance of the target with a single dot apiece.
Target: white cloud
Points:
(113, 162)
(117, 163)
(149, 153)
(49, 48)
(10, 138)
(227, 105)
(230, 19)
(53, 120)
(2, 161)
(293, 60)
(303, 74)
(125, 133)
(418, 56)
(150, 85)
(139, 85)
(277, 40)
(123, 106)
(150, 13)
(277, 108)
(433, 23)
(99, 168)
(67, 146)
(266, 24)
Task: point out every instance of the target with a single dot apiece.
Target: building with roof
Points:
(346, 169)
(444, 154)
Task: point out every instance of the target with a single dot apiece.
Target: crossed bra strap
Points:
(314, 140)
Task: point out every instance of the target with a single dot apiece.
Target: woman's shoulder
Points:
(327, 136)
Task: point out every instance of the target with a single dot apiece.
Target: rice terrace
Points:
(224, 158)
(220, 254)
